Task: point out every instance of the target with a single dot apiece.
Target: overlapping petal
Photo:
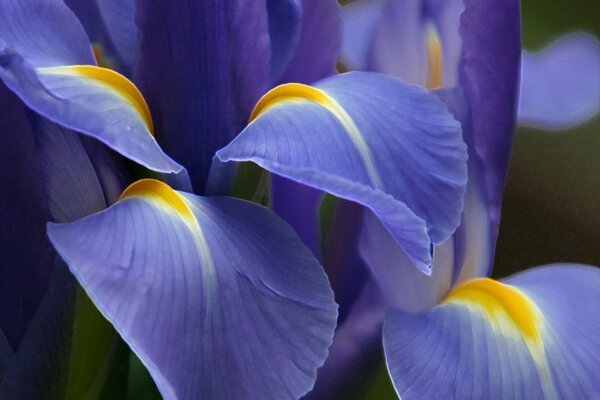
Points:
(26, 256)
(401, 285)
(319, 44)
(533, 337)
(216, 296)
(285, 25)
(371, 139)
(46, 59)
(489, 74)
(560, 85)
(202, 66)
(111, 27)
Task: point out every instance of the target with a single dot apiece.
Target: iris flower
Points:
(459, 334)
(560, 84)
(217, 296)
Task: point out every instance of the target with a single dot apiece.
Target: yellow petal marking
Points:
(111, 79)
(162, 195)
(296, 92)
(434, 58)
(506, 307)
(161, 192)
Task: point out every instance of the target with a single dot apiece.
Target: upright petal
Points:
(560, 85)
(360, 20)
(47, 60)
(216, 296)
(347, 136)
(398, 42)
(532, 337)
(111, 27)
(202, 65)
(285, 24)
(26, 256)
(320, 42)
(489, 74)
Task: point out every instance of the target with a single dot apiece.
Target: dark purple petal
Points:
(298, 205)
(489, 74)
(37, 369)
(285, 24)
(26, 256)
(202, 66)
(217, 296)
(355, 340)
(320, 42)
(110, 26)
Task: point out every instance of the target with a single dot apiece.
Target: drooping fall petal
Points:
(368, 138)
(532, 336)
(217, 296)
(47, 60)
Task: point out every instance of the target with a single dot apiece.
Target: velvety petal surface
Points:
(111, 27)
(202, 66)
(533, 336)
(367, 138)
(560, 84)
(119, 16)
(47, 60)
(217, 296)
(26, 256)
(319, 45)
(285, 24)
(489, 74)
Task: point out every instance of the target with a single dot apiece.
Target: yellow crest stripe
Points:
(508, 309)
(496, 298)
(296, 92)
(157, 190)
(115, 81)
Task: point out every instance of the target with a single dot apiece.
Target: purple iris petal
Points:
(538, 339)
(313, 58)
(401, 285)
(285, 25)
(320, 41)
(389, 146)
(46, 58)
(489, 74)
(110, 25)
(202, 66)
(217, 296)
(560, 86)
(354, 342)
(298, 206)
(50, 175)
(360, 19)
(44, 32)
(26, 256)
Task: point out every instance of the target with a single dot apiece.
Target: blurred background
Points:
(551, 209)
